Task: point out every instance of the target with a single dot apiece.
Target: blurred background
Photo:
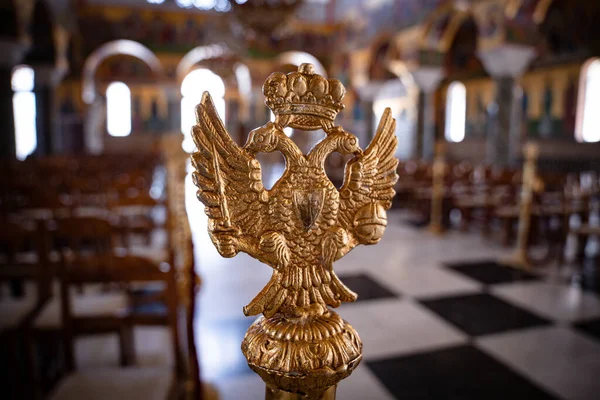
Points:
(486, 284)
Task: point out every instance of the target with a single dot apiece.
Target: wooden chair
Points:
(191, 363)
(85, 235)
(87, 238)
(583, 232)
(20, 265)
(21, 257)
(135, 213)
(116, 383)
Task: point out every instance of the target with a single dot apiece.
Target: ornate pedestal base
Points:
(302, 357)
(276, 394)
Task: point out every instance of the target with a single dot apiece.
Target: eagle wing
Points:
(370, 177)
(228, 180)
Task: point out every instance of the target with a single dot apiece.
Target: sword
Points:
(221, 190)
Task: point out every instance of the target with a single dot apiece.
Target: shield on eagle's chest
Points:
(309, 204)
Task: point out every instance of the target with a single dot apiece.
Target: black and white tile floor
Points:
(439, 319)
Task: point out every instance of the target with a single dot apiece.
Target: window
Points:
(456, 112)
(118, 109)
(588, 127)
(24, 111)
(193, 86)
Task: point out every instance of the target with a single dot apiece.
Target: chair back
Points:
(121, 269)
(21, 258)
(84, 235)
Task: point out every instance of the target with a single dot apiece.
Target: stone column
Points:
(506, 64)
(94, 125)
(174, 109)
(428, 80)
(12, 53)
(46, 78)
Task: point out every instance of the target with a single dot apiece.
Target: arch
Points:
(534, 10)
(539, 15)
(558, 23)
(379, 57)
(121, 46)
(588, 119)
(442, 25)
(300, 57)
(461, 55)
(197, 55)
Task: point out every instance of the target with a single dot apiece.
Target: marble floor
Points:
(440, 318)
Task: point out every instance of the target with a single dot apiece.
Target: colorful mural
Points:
(317, 40)
(550, 108)
(161, 32)
(124, 68)
(356, 42)
(548, 103)
(365, 20)
(179, 32)
(378, 69)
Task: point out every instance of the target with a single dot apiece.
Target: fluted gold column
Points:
(276, 394)
(530, 184)
(438, 190)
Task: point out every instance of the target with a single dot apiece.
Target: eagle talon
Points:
(226, 243)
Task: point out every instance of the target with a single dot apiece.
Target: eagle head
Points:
(345, 142)
(264, 139)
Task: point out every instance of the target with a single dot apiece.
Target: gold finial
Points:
(299, 227)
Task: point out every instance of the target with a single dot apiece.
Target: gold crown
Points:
(313, 100)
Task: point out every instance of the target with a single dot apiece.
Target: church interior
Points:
(485, 285)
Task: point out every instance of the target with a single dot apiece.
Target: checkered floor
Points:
(439, 319)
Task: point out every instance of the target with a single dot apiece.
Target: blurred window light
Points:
(205, 4)
(155, 1)
(244, 80)
(590, 126)
(24, 111)
(241, 1)
(118, 109)
(22, 79)
(456, 112)
(185, 3)
(193, 86)
(223, 6)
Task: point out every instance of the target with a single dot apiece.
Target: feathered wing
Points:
(228, 178)
(370, 177)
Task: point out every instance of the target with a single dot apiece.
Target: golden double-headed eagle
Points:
(303, 223)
